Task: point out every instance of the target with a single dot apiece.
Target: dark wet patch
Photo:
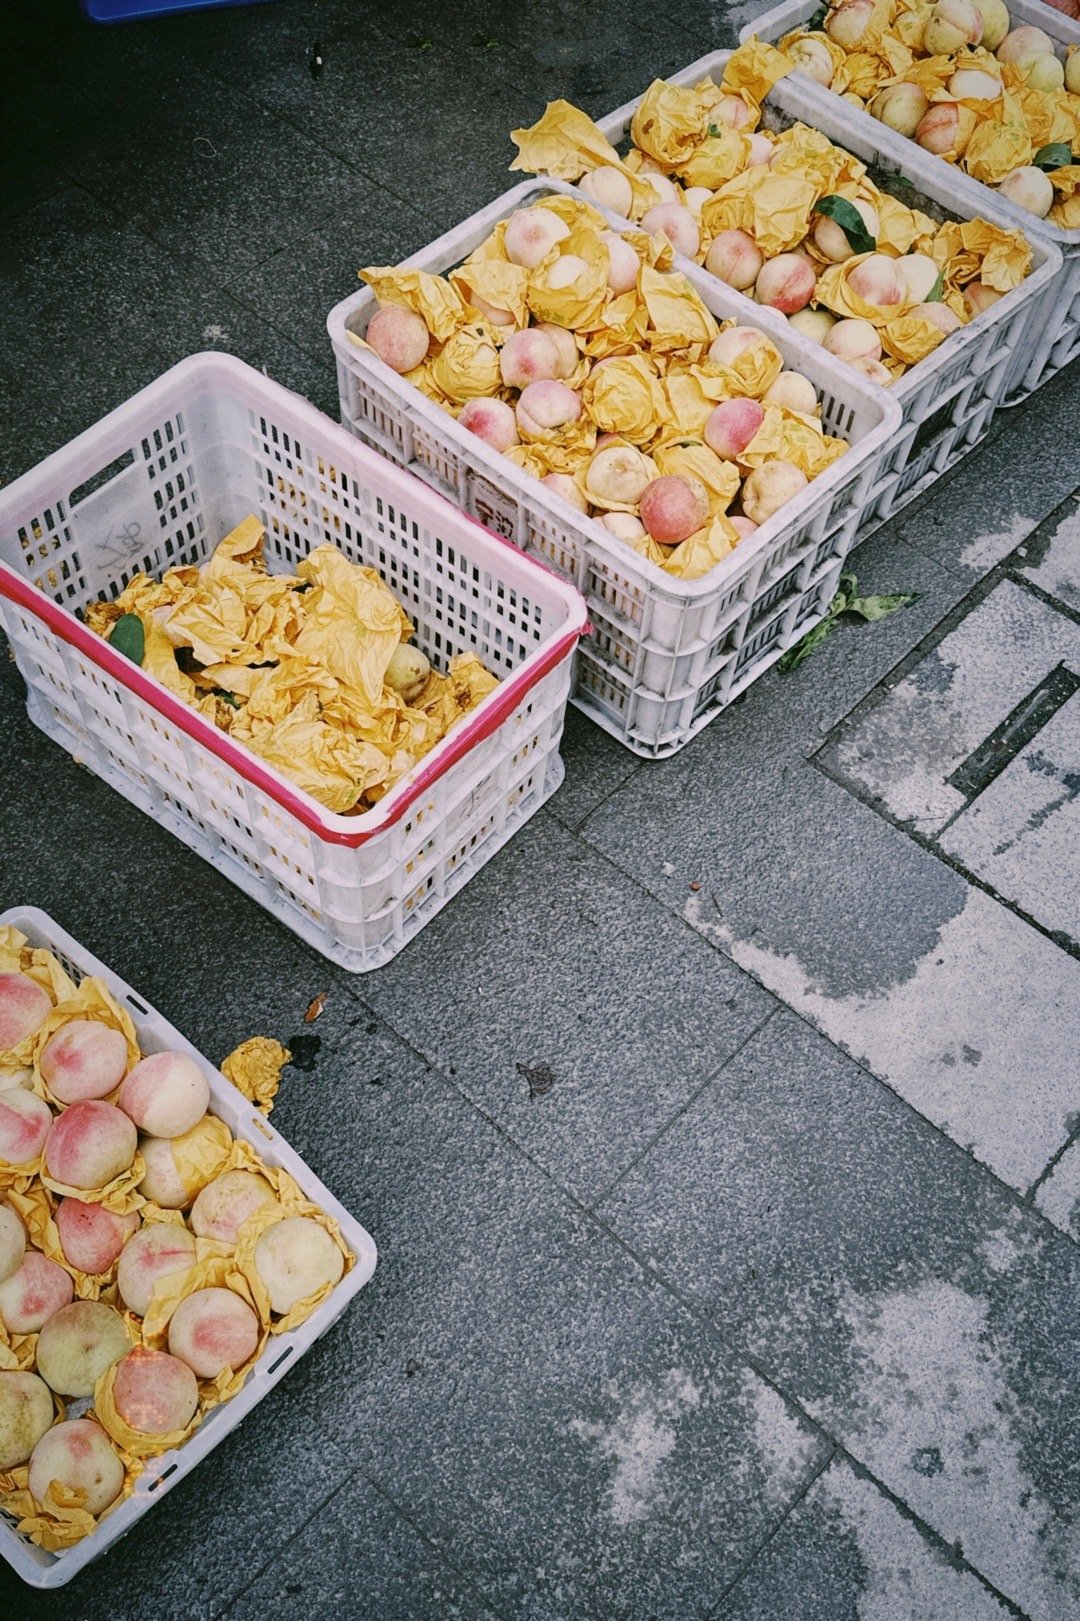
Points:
(540, 1079)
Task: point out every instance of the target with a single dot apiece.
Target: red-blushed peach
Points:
(951, 25)
(178, 1168)
(166, 1094)
(25, 1123)
(901, 107)
(36, 1290)
(527, 357)
(617, 473)
(731, 425)
(1024, 42)
(562, 484)
(26, 1412)
(830, 239)
(726, 347)
(972, 84)
(609, 187)
(84, 1059)
(491, 312)
(225, 1204)
(89, 1144)
(978, 297)
(742, 526)
(12, 1241)
(565, 343)
(877, 281)
(734, 257)
(624, 266)
(1028, 187)
(530, 235)
(78, 1343)
(493, 421)
(545, 408)
(211, 1330)
(769, 487)
(919, 274)
(995, 22)
(945, 127)
(785, 283)
(156, 1251)
(812, 58)
(731, 111)
(399, 337)
(847, 25)
(793, 391)
(677, 223)
(854, 339)
(24, 1007)
(154, 1392)
(813, 324)
(92, 1237)
(939, 315)
(673, 508)
(79, 1455)
(624, 525)
(294, 1258)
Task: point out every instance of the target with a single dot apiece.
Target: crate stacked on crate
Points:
(157, 484)
(666, 655)
(1054, 340)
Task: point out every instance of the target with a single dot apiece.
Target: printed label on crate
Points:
(493, 509)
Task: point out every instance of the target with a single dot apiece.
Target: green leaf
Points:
(817, 21)
(846, 601)
(1054, 156)
(714, 129)
(873, 608)
(129, 638)
(936, 294)
(229, 697)
(850, 221)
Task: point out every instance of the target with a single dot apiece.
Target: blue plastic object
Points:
(123, 11)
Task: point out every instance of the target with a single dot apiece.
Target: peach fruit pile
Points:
(145, 1253)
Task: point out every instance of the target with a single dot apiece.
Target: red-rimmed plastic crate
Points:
(665, 655)
(1055, 337)
(158, 483)
(39, 1568)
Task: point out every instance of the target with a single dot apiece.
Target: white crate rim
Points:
(44, 1570)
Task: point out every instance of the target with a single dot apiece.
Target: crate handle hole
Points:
(103, 476)
(163, 1477)
(137, 1005)
(276, 1364)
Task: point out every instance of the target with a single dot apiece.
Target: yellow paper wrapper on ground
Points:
(430, 297)
(92, 1001)
(255, 1069)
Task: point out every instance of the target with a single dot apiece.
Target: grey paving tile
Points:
(1052, 555)
(924, 1317)
(1059, 1196)
(937, 988)
(575, 1011)
(358, 1553)
(596, 764)
(845, 1553)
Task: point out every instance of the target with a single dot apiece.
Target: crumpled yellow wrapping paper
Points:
(255, 1067)
(61, 1519)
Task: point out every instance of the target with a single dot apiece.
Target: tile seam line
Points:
(412, 1521)
(715, 1613)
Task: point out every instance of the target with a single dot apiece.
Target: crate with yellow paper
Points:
(117, 1248)
(948, 387)
(991, 97)
(211, 596)
(596, 467)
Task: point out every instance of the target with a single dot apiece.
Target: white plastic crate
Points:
(282, 1351)
(666, 655)
(158, 483)
(1054, 339)
(949, 398)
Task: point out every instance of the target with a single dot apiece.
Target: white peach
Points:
(617, 473)
(786, 283)
(566, 270)
(25, 1123)
(877, 281)
(491, 312)
(153, 1392)
(1072, 73)
(26, 1412)
(941, 129)
(1028, 187)
(530, 235)
(743, 527)
(78, 1455)
(565, 343)
(212, 1330)
(624, 266)
(734, 257)
(853, 339)
(978, 297)
(527, 357)
(399, 337)
(677, 223)
(813, 324)
(294, 1258)
(874, 369)
(92, 1237)
(24, 1007)
(972, 84)
(36, 1290)
(90, 1144)
(812, 58)
(196, 1150)
(731, 426)
(919, 274)
(673, 508)
(563, 485)
(726, 347)
(995, 18)
(794, 392)
(695, 198)
(156, 1251)
(731, 111)
(846, 26)
(543, 409)
(77, 1345)
(165, 1094)
(830, 238)
(769, 487)
(12, 1241)
(609, 187)
(624, 525)
(666, 190)
(225, 1204)
(901, 107)
(951, 25)
(84, 1059)
(493, 421)
(1024, 42)
(939, 315)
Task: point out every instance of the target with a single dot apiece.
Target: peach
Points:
(12, 1241)
(854, 340)
(609, 187)
(211, 1330)
(294, 1258)
(84, 1059)
(623, 525)
(769, 487)
(1072, 73)
(153, 1252)
(565, 343)
(78, 1343)
(847, 25)
(623, 263)
(545, 408)
(793, 391)
(527, 357)
(944, 127)
(562, 484)
(901, 107)
(742, 526)
(874, 369)
(25, 1122)
(26, 1412)
(830, 239)
(734, 257)
(673, 507)
(162, 1157)
(877, 281)
(971, 84)
(406, 674)
(813, 324)
(36, 1290)
(731, 111)
(490, 312)
(617, 473)
(493, 421)
(786, 283)
(91, 1237)
(695, 198)
(90, 1144)
(727, 346)
(731, 426)
(24, 1007)
(951, 25)
(154, 1392)
(530, 235)
(1024, 42)
(760, 151)
(398, 336)
(226, 1203)
(919, 274)
(811, 58)
(1028, 187)
(678, 225)
(979, 297)
(939, 315)
(1043, 73)
(995, 20)
(665, 189)
(166, 1094)
(79, 1455)
(22, 1077)
(566, 270)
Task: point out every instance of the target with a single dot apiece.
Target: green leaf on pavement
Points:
(846, 601)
